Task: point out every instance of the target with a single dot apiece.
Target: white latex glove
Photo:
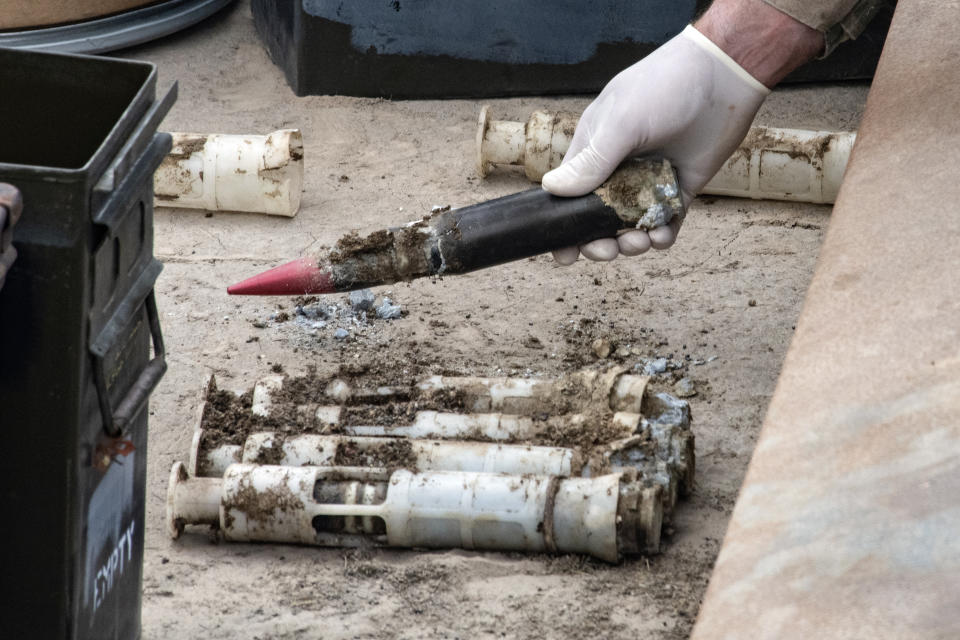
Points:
(687, 101)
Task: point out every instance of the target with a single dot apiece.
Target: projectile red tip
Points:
(302, 276)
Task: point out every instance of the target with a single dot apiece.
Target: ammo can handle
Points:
(140, 298)
(115, 422)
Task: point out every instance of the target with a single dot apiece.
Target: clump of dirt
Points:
(353, 244)
(579, 337)
(409, 241)
(272, 454)
(596, 430)
(227, 418)
(299, 390)
(383, 257)
(379, 414)
(390, 454)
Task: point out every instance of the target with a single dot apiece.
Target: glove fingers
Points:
(579, 175)
(581, 138)
(566, 256)
(602, 250)
(633, 243)
(664, 237)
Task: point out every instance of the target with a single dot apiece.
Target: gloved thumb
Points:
(579, 174)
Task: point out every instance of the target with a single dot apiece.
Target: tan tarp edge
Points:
(848, 522)
(22, 14)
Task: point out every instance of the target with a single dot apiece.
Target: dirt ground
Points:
(730, 289)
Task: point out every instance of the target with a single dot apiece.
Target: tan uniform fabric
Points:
(839, 20)
(17, 14)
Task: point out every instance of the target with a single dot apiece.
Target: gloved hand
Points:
(687, 101)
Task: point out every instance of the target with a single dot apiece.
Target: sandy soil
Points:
(731, 288)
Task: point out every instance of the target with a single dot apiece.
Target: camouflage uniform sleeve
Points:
(839, 20)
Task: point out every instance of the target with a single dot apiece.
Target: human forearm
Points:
(690, 101)
(766, 42)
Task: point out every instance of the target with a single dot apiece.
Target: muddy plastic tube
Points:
(663, 457)
(218, 172)
(661, 453)
(641, 193)
(538, 145)
(615, 387)
(490, 426)
(431, 426)
(621, 391)
(605, 517)
(423, 455)
(770, 164)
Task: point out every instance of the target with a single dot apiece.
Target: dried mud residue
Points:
(271, 455)
(384, 256)
(184, 147)
(764, 138)
(598, 429)
(402, 411)
(261, 505)
(352, 244)
(387, 414)
(229, 419)
(390, 454)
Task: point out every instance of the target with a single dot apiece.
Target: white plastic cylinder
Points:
(498, 141)
(191, 501)
(786, 164)
(537, 145)
(263, 391)
(422, 455)
(529, 396)
(452, 426)
(603, 517)
(214, 462)
(521, 396)
(770, 164)
(487, 426)
(628, 393)
(220, 172)
(430, 425)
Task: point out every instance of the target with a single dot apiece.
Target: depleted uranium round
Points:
(299, 277)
